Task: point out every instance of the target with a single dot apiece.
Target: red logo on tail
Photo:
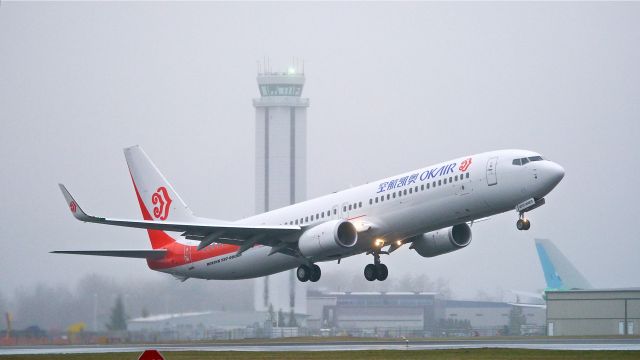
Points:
(73, 207)
(465, 165)
(162, 202)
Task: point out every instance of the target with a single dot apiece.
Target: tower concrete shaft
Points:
(281, 176)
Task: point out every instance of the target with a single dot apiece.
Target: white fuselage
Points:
(489, 185)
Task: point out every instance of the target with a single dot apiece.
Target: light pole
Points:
(95, 312)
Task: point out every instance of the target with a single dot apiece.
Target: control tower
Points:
(281, 174)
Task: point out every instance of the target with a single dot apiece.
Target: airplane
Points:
(431, 209)
(559, 275)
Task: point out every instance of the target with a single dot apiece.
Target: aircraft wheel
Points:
(315, 273)
(370, 272)
(303, 273)
(527, 224)
(382, 272)
(520, 224)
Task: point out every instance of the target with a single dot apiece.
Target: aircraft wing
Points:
(207, 233)
(140, 254)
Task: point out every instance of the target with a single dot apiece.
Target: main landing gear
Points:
(309, 273)
(523, 223)
(377, 270)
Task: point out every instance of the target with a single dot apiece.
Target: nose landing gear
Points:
(526, 206)
(377, 270)
(523, 223)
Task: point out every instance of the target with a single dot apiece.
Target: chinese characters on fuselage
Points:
(425, 175)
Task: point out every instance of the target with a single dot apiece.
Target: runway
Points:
(537, 343)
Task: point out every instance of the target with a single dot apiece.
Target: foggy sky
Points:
(392, 87)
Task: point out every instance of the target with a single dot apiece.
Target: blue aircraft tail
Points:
(559, 273)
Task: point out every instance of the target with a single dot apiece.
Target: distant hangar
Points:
(593, 312)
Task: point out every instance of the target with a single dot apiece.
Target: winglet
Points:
(76, 211)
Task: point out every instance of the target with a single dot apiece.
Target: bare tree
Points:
(90, 300)
(46, 306)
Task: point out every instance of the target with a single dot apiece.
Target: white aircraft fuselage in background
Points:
(429, 209)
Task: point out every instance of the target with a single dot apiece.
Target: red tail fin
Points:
(159, 238)
(158, 200)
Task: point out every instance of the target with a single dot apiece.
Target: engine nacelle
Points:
(329, 239)
(442, 241)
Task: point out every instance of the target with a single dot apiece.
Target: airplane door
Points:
(187, 254)
(492, 177)
(464, 187)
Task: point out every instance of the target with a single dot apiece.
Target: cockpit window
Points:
(524, 161)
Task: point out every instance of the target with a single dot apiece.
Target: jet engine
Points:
(442, 241)
(329, 239)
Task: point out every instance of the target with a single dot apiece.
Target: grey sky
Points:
(392, 87)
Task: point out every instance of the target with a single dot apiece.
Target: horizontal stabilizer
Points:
(140, 254)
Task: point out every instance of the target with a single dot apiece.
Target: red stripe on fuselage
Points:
(357, 217)
(180, 254)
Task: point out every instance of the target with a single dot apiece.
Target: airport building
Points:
(593, 312)
(280, 170)
(391, 314)
(422, 314)
(491, 318)
(358, 314)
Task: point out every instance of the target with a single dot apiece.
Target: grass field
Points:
(353, 355)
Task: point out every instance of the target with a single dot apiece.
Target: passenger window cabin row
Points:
(422, 187)
(321, 215)
(317, 216)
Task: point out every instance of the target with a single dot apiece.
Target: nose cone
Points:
(553, 174)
